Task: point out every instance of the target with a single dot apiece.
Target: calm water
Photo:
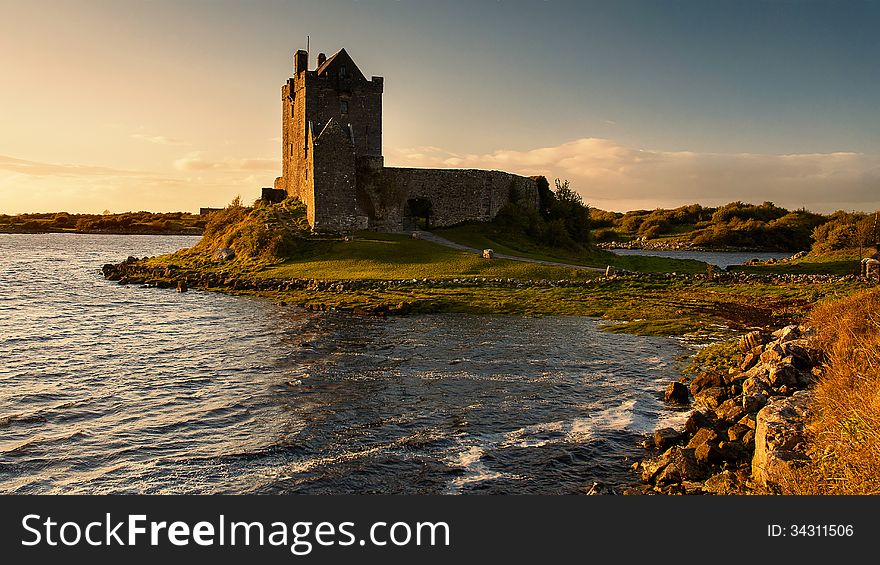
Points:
(721, 259)
(122, 389)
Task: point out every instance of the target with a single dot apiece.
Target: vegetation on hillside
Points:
(274, 241)
(264, 232)
(562, 220)
(559, 230)
(844, 438)
(740, 225)
(127, 223)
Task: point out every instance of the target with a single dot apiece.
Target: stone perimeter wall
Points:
(455, 195)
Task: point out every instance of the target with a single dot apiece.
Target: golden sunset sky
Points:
(166, 106)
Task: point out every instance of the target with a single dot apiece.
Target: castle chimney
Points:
(300, 62)
(321, 58)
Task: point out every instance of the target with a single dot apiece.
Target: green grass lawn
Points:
(478, 236)
(643, 307)
(391, 256)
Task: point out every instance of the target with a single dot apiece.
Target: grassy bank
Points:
(272, 244)
(483, 237)
(639, 306)
(842, 262)
(844, 439)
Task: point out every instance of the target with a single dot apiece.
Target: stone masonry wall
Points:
(455, 195)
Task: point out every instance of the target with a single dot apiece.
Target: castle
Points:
(332, 160)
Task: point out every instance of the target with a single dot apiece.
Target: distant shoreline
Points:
(7, 230)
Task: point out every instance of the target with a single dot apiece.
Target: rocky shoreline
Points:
(746, 433)
(132, 271)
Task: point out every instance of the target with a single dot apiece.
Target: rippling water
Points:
(122, 389)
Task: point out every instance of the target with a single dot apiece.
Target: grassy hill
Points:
(737, 225)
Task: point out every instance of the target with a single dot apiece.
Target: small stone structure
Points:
(870, 269)
(332, 160)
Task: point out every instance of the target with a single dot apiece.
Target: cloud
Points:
(615, 176)
(158, 139)
(196, 161)
(37, 168)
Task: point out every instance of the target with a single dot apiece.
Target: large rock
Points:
(708, 454)
(751, 403)
(223, 254)
(755, 385)
(711, 397)
(704, 381)
(676, 465)
(779, 439)
(676, 393)
(730, 410)
(773, 353)
(682, 466)
(666, 437)
(783, 374)
(752, 340)
(788, 333)
(723, 483)
(703, 436)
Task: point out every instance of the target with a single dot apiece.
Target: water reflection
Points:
(107, 388)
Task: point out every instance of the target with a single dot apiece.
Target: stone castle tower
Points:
(332, 160)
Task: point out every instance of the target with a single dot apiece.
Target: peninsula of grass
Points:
(397, 274)
(486, 236)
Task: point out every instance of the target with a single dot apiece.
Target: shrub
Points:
(845, 431)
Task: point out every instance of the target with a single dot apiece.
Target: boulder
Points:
(223, 254)
(783, 374)
(676, 393)
(751, 403)
(803, 356)
(666, 437)
(706, 380)
(711, 397)
(749, 421)
(702, 437)
(787, 333)
(730, 410)
(755, 385)
(681, 466)
(722, 483)
(752, 340)
(708, 454)
(779, 439)
(488, 254)
(696, 421)
(773, 354)
(749, 360)
(737, 431)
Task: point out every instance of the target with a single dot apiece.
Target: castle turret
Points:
(300, 62)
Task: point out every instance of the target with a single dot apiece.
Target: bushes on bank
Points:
(561, 220)
(265, 231)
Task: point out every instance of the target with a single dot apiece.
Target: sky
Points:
(174, 105)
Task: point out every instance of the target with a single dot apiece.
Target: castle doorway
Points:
(417, 214)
